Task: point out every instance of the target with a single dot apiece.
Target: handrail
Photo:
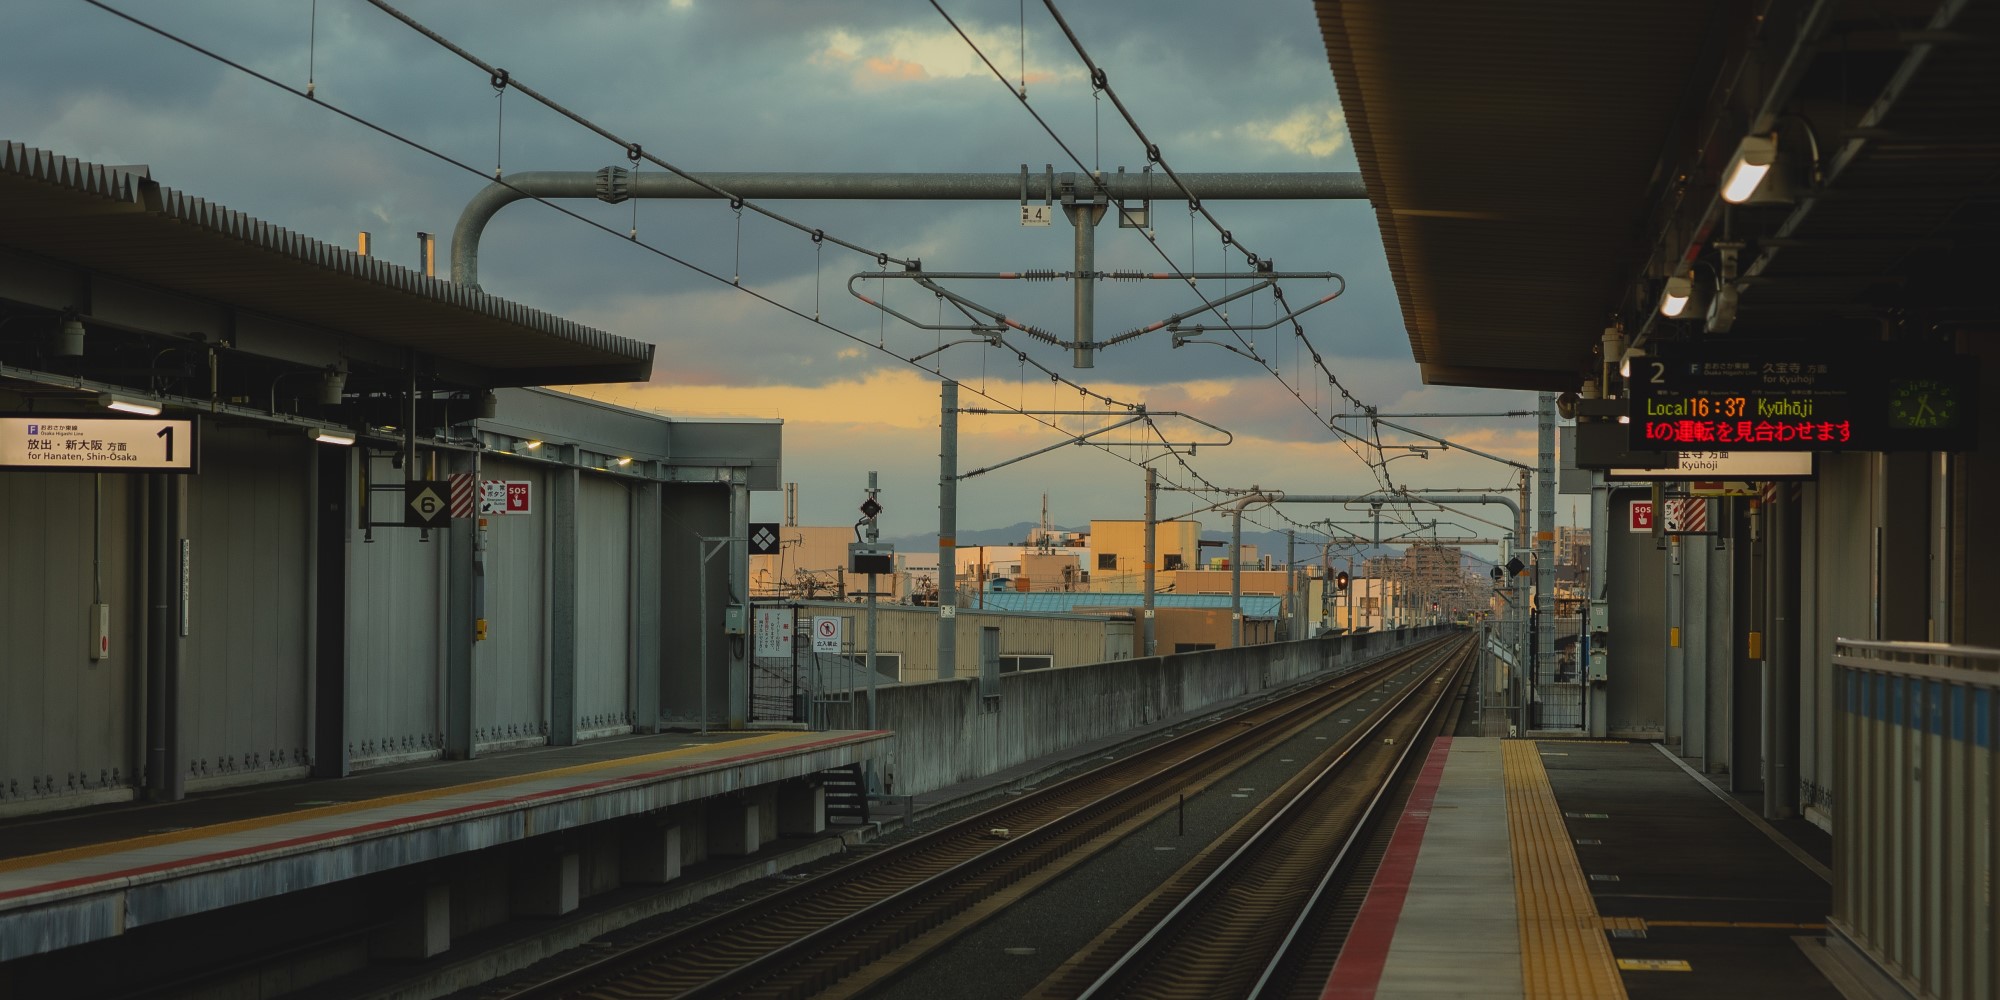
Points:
(1974, 665)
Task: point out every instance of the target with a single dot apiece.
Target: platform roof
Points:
(119, 221)
(1537, 167)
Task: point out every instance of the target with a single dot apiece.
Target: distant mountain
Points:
(1271, 543)
(1013, 534)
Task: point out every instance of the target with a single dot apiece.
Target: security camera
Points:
(1566, 405)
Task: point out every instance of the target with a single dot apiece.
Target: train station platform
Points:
(1589, 869)
(80, 877)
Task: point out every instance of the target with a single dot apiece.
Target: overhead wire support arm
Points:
(928, 281)
(1447, 443)
(1185, 334)
(1138, 414)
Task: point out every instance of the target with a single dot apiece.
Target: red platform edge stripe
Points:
(440, 814)
(1358, 971)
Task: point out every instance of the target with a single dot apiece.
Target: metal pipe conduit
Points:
(616, 184)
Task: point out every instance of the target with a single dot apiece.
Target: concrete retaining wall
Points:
(945, 735)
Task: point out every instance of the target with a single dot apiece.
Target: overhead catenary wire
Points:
(446, 158)
(502, 79)
(633, 148)
(1099, 80)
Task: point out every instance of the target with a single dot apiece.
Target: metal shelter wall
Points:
(510, 675)
(605, 566)
(1838, 549)
(66, 720)
(690, 511)
(395, 615)
(1636, 685)
(244, 672)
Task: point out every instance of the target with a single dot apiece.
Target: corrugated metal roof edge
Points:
(101, 181)
(1361, 136)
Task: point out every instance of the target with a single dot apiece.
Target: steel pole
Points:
(947, 638)
(873, 535)
(1084, 215)
(1236, 576)
(1291, 592)
(1545, 528)
(1151, 647)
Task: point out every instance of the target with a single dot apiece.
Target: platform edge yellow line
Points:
(1564, 952)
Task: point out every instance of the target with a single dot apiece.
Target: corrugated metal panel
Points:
(394, 625)
(243, 678)
(70, 210)
(62, 715)
(604, 604)
(510, 676)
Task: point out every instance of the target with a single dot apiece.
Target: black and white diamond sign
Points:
(764, 539)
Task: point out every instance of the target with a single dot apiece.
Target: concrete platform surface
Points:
(1583, 869)
(108, 870)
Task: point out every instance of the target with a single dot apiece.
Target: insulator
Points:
(1039, 275)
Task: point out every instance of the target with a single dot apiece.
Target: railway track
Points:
(850, 926)
(1248, 917)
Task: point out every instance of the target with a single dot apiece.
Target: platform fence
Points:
(1915, 804)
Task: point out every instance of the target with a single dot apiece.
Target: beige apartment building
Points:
(1118, 553)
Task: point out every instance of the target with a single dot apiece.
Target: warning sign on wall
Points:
(1642, 515)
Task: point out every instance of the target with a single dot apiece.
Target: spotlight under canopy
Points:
(1674, 300)
(128, 404)
(1748, 167)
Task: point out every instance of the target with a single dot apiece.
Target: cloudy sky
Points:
(812, 85)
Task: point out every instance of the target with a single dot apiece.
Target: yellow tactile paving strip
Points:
(259, 822)
(1564, 952)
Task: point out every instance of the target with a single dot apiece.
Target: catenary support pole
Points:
(873, 535)
(1147, 614)
(947, 637)
(1084, 214)
(1291, 594)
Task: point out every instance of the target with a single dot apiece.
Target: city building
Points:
(1118, 553)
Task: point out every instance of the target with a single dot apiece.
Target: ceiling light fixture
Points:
(1674, 300)
(330, 435)
(69, 341)
(1625, 362)
(127, 404)
(625, 461)
(332, 382)
(1748, 167)
(531, 445)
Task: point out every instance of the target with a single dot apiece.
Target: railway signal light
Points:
(1340, 580)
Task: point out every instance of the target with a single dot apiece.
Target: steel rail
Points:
(959, 852)
(1298, 938)
(1118, 978)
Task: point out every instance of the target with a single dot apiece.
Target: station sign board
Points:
(63, 443)
(1731, 465)
(1743, 395)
